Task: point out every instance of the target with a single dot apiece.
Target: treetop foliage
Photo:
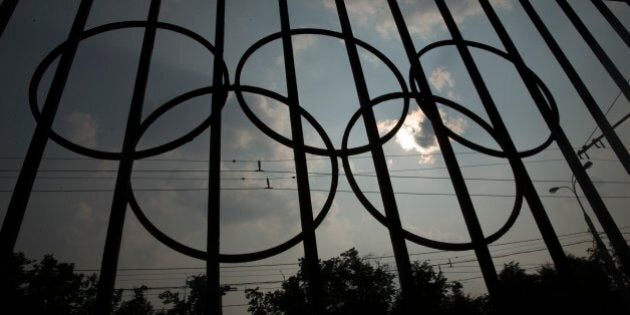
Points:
(351, 285)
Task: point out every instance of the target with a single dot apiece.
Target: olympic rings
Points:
(238, 88)
(329, 150)
(551, 102)
(417, 238)
(108, 155)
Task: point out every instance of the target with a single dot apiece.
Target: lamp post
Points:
(600, 247)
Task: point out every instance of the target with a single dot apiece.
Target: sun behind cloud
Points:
(417, 135)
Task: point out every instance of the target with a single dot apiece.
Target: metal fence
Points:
(415, 90)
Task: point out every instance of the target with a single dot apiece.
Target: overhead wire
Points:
(228, 267)
(489, 179)
(410, 193)
(610, 107)
(269, 160)
(433, 265)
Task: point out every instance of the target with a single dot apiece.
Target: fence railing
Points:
(416, 89)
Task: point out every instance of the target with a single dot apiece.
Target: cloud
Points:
(271, 112)
(300, 44)
(416, 133)
(84, 214)
(422, 20)
(81, 128)
(242, 138)
(441, 78)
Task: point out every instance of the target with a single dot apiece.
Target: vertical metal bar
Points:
(483, 254)
(22, 191)
(565, 146)
(613, 20)
(588, 99)
(214, 180)
(6, 10)
(301, 168)
(111, 252)
(380, 165)
(599, 52)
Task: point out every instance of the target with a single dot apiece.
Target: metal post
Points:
(111, 252)
(563, 143)
(213, 280)
(22, 190)
(599, 52)
(613, 20)
(6, 10)
(472, 222)
(401, 254)
(588, 99)
(311, 259)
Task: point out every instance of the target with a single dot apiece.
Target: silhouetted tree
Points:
(48, 287)
(137, 305)
(544, 292)
(437, 294)
(352, 285)
(194, 303)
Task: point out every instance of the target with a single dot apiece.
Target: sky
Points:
(68, 211)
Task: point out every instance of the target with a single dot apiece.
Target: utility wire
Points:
(44, 170)
(407, 155)
(444, 264)
(295, 263)
(612, 104)
(408, 193)
(489, 179)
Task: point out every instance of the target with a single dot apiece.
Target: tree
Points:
(438, 295)
(545, 293)
(352, 285)
(48, 287)
(195, 303)
(592, 282)
(137, 305)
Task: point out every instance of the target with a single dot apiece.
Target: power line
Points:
(270, 160)
(266, 160)
(44, 170)
(409, 193)
(491, 245)
(490, 179)
(481, 277)
(193, 268)
(612, 104)
(369, 258)
(295, 263)
(433, 265)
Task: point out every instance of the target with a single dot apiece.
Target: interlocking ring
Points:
(238, 89)
(553, 107)
(417, 238)
(109, 155)
(258, 255)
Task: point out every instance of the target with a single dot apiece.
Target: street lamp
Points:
(600, 247)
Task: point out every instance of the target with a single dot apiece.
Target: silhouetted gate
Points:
(415, 89)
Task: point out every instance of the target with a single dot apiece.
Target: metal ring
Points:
(477, 147)
(310, 149)
(258, 255)
(417, 238)
(109, 155)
